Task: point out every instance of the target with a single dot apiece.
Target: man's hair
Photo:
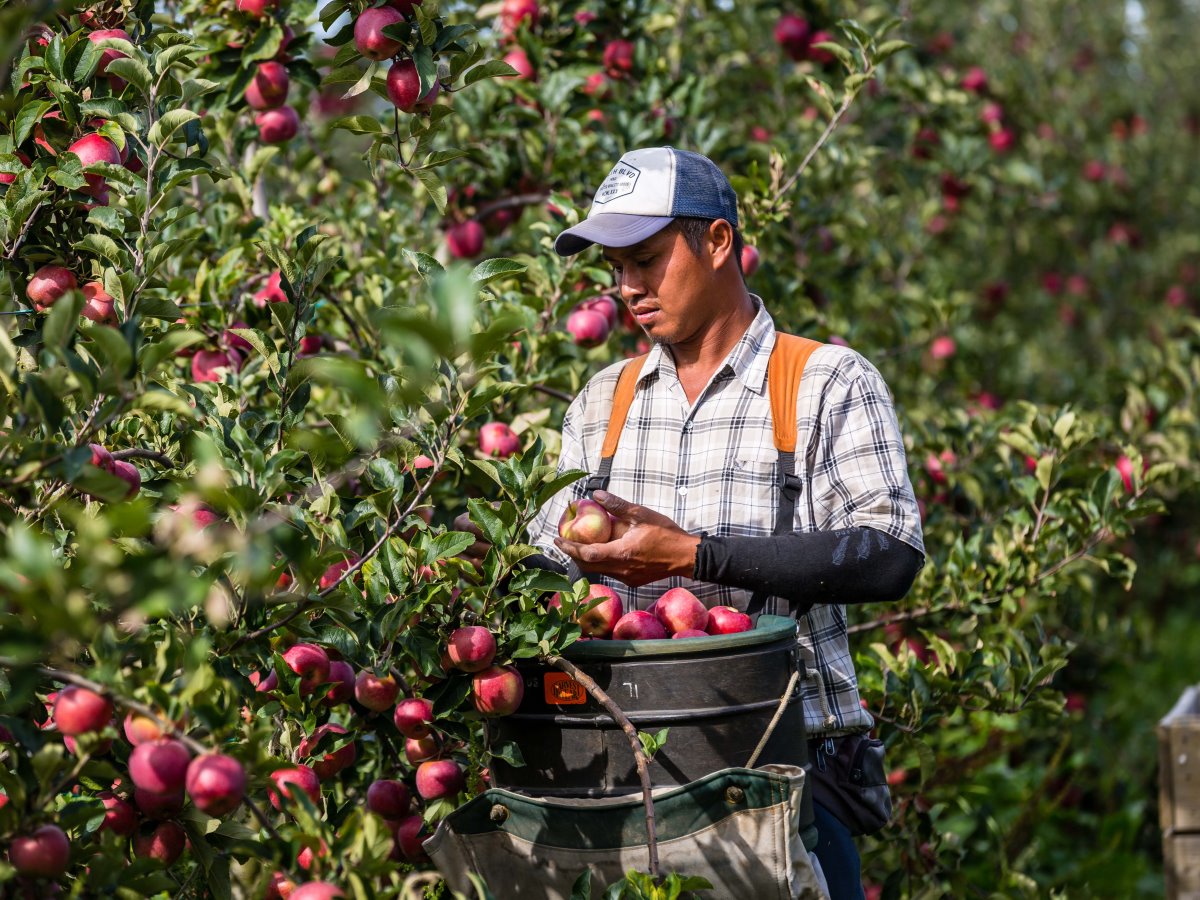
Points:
(695, 231)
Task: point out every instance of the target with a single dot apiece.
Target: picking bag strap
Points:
(622, 400)
(785, 370)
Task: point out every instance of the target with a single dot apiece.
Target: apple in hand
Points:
(585, 522)
(727, 620)
(680, 610)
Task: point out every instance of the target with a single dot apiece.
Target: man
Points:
(693, 478)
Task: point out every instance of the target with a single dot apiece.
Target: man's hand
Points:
(647, 545)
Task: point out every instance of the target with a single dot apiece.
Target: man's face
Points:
(666, 287)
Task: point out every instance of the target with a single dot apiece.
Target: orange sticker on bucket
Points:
(563, 690)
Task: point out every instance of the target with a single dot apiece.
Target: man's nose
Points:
(632, 287)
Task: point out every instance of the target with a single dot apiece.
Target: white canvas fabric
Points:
(754, 853)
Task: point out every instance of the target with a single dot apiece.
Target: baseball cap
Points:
(644, 193)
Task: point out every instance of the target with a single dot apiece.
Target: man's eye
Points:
(645, 262)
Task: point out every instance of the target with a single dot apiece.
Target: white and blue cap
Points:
(645, 191)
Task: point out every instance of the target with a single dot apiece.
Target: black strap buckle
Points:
(793, 484)
(596, 483)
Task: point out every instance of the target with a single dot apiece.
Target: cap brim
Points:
(609, 230)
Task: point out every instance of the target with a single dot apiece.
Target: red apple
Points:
(680, 610)
(439, 778)
(158, 806)
(618, 58)
(1002, 141)
(498, 440)
(638, 625)
(942, 347)
(408, 834)
(375, 692)
(341, 674)
(333, 761)
(302, 777)
(216, 783)
(588, 327)
(750, 261)
(414, 717)
(690, 633)
(213, 365)
(275, 126)
(101, 458)
(498, 690)
(160, 766)
(310, 662)
(317, 890)
(404, 84)
(119, 815)
(471, 648)
(1124, 467)
(43, 854)
(606, 306)
(165, 843)
(420, 749)
(794, 35)
(369, 38)
(389, 798)
(332, 574)
(79, 711)
(108, 55)
(48, 285)
(975, 80)
(513, 13)
(92, 149)
(256, 8)
(585, 522)
(272, 291)
(820, 55)
(727, 620)
(265, 685)
(98, 303)
(310, 345)
(601, 619)
(280, 887)
(128, 472)
(268, 89)
(465, 240)
(519, 60)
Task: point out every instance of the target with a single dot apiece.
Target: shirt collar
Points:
(747, 360)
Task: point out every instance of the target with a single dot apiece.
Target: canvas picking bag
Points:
(738, 828)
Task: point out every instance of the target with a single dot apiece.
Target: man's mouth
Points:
(644, 315)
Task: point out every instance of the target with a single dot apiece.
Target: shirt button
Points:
(682, 492)
(687, 426)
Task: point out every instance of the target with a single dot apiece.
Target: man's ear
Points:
(720, 242)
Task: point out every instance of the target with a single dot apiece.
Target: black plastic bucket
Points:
(717, 695)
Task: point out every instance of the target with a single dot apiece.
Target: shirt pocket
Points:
(752, 492)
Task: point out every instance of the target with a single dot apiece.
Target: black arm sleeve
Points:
(849, 565)
(542, 561)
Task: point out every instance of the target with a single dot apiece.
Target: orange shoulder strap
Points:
(784, 371)
(622, 400)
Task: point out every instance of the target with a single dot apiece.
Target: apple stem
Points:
(137, 453)
(639, 753)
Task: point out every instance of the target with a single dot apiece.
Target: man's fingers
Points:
(615, 505)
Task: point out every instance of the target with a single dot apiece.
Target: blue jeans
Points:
(838, 856)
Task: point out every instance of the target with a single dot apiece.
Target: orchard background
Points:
(297, 320)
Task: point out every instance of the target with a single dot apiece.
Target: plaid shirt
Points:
(711, 467)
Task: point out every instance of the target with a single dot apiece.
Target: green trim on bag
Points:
(612, 824)
(768, 629)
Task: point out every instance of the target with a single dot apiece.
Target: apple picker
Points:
(759, 470)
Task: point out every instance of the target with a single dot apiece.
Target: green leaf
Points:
(164, 129)
(491, 269)
(582, 888)
(358, 124)
(364, 82)
(845, 57)
(510, 753)
(489, 521)
(258, 341)
(493, 68)
(103, 247)
(434, 185)
(889, 49)
(30, 115)
(132, 70)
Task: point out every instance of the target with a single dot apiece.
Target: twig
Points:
(639, 753)
(506, 202)
(553, 392)
(137, 453)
